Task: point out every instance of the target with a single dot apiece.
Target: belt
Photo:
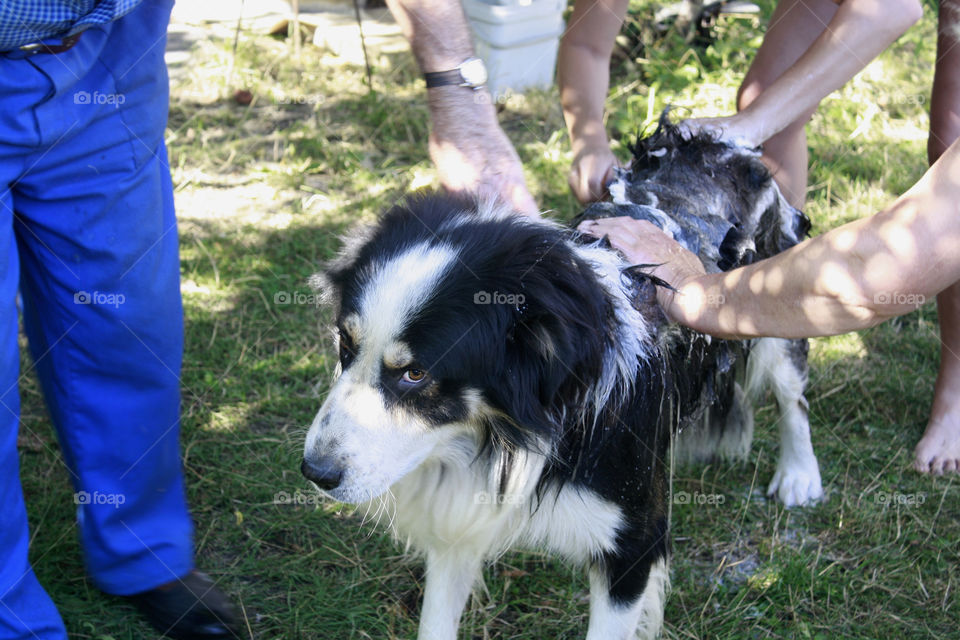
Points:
(34, 48)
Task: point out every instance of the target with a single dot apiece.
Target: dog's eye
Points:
(413, 376)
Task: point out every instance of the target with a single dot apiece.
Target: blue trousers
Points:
(88, 236)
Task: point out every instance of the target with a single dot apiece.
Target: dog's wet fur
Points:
(508, 383)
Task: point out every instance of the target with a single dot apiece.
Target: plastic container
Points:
(517, 40)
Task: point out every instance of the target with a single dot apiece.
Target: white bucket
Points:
(518, 42)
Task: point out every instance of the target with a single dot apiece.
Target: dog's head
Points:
(455, 324)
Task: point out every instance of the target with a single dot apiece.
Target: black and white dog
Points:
(507, 383)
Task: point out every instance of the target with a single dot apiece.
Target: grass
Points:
(263, 191)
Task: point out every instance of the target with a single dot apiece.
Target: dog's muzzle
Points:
(323, 471)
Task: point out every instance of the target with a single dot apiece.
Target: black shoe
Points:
(190, 608)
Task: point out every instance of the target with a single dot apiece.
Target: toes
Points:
(795, 490)
(774, 487)
(814, 492)
(923, 463)
(937, 466)
(790, 499)
(923, 457)
(802, 495)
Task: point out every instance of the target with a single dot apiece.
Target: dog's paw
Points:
(797, 484)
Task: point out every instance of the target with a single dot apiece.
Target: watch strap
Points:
(452, 77)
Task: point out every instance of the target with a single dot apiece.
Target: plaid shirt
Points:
(29, 21)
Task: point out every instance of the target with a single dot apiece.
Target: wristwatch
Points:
(470, 73)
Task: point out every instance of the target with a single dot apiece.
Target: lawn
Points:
(263, 192)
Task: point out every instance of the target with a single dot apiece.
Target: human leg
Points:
(939, 448)
(96, 241)
(793, 27)
(945, 97)
(100, 287)
(26, 611)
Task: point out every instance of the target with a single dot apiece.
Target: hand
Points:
(470, 150)
(731, 129)
(591, 172)
(642, 242)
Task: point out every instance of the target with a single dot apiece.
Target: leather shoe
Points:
(190, 608)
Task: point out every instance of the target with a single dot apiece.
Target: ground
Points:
(263, 190)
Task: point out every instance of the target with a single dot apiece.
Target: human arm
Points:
(858, 32)
(467, 145)
(852, 277)
(583, 73)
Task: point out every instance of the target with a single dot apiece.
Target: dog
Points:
(506, 383)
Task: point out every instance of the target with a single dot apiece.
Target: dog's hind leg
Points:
(783, 365)
(616, 617)
(450, 577)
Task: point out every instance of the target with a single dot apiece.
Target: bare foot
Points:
(939, 449)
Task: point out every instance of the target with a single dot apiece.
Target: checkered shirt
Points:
(29, 21)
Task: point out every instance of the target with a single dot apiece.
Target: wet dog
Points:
(508, 383)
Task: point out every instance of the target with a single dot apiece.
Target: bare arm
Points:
(583, 72)
(852, 277)
(467, 145)
(858, 32)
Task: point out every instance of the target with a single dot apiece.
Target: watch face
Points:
(474, 72)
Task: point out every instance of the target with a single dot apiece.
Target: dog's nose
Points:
(323, 471)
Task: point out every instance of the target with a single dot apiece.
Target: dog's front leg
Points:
(450, 577)
(797, 479)
(632, 613)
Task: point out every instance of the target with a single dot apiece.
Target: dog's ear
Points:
(556, 338)
(329, 283)
(323, 284)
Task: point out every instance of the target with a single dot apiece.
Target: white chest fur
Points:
(447, 503)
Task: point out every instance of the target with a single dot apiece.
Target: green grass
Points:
(263, 192)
